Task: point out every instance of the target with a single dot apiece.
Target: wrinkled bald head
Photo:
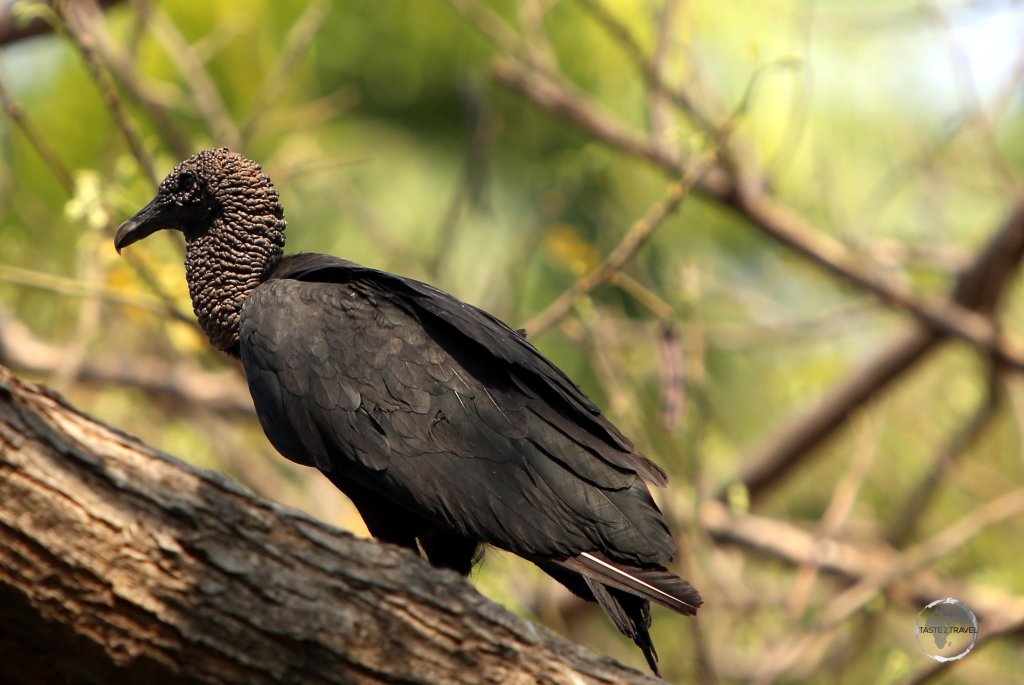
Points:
(212, 185)
(234, 230)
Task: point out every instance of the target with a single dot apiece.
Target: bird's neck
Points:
(226, 263)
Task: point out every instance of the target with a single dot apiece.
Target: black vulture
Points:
(445, 427)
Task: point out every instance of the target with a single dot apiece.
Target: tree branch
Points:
(12, 29)
(635, 238)
(902, 576)
(120, 564)
(979, 288)
(76, 19)
(185, 383)
(764, 213)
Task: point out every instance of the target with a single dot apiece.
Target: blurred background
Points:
(775, 241)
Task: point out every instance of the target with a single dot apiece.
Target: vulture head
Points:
(233, 223)
(212, 189)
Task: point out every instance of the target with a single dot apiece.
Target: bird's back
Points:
(438, 406)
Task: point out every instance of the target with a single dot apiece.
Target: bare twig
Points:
(61, 173)
(537, 41)
(296, 44)
(844, 495)
(38, 142)
(567, 101)
(635, 238)
(522, 70)
(193, 73)
(68, 287)
(311, 113)
(604, 349)
(87, 316)
(493, 26)
(76, 19)
(902, 572)
(948, 540)
(874, 568)
(970, 97)
(777, 221)
(853, 599)
(125, 68)
(12, 30)
(951, 318)
(793, 442)
(969, 433)
(184, 383)
(657, 114)
(979, 288)
(807, 330)
(474, 177)
(648, 68)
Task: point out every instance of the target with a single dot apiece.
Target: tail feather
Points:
(656, 584)
(631, 615)
(625, 593)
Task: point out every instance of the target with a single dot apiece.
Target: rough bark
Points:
(121, 564)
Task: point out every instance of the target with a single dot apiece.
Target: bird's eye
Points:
(186, 181)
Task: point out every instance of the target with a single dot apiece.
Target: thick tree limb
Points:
(120, 564)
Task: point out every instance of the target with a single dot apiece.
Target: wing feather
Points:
(445, 410)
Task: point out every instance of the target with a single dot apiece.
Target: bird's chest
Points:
(318, 361)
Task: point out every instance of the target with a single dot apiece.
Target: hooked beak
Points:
(148, 221)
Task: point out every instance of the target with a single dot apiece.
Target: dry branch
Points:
(648, 67)
(873, 568)
(755, 207)
(635, 238)
(979, 288)
(151, 98)
(948, 454)
(53, 162)
(36, 140)
(195, 76)
(77, 20)
(184, 383)
(877, 566)
(296, 45)
(120, 564)
(12, 29)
